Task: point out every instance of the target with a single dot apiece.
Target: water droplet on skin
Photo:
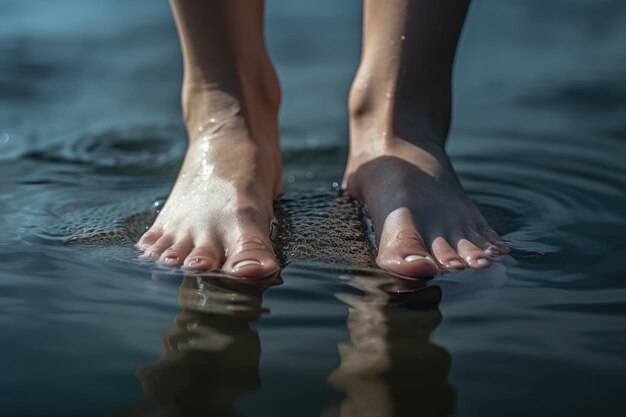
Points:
(4, 138)
(212, 121)
(291, 179)
(402, 37)
(207, 169)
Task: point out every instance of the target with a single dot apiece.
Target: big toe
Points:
(253, 257)
(407, 256)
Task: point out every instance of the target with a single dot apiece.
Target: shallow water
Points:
(90, 131)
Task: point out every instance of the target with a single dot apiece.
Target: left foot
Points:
(424, 221)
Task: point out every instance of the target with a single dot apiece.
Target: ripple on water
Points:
(550, 191)
(526, 196)
(126, 150)
(114, 223)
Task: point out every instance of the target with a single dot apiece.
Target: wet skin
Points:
(218, 214)
(423, 220)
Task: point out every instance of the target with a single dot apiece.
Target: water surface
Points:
(90, 119)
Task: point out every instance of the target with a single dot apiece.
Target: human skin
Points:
(218, 214)
(400, 113)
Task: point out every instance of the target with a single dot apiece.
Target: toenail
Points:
(482, 261)
(243, 264)
(414, 258)
(455, 263)
(193, 262)
(493, 251)
(170, 260)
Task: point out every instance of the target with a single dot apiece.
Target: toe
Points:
(149, 238)
(446, 255)
(490, 249)
(253, 257)
(406, 255)
(496, 240)
(177, 253)
(154, 252)
(204, 257)
(473, 256)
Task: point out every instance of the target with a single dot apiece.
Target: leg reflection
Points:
(211, 356)
(391, 368)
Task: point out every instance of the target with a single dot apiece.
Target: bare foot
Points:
(423, 220)
(219, 212)
(400, 107)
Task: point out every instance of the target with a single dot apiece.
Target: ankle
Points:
(422, 115)
(249, 101)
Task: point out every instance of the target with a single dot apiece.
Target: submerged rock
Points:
(325, 227)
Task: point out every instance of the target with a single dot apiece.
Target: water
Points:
(89, 120)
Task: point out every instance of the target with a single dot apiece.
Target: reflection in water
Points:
(212, 355)
(391, 368)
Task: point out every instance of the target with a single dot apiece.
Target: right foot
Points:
(423, 220)
(218, 214)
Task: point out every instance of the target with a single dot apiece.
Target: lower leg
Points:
(400, 106)
(219, 211)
